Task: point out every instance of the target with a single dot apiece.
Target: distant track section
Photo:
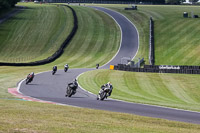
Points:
(129, 37)
(57, 54)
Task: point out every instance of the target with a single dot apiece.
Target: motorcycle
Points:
(103, 93)
(65, 69)
(53, 72)
(71, 89)
(29, 79)
(97, 66)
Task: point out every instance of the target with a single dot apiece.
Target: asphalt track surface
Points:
(49, 87)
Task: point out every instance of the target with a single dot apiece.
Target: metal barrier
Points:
(160, 69)
(151, 42)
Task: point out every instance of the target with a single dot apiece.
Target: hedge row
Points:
(8, 3)
(57, 54)
(111, 1)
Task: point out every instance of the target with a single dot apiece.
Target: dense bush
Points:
(8, 3)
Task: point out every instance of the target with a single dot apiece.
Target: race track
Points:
(53, 87)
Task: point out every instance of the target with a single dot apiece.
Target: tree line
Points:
(8, 3)
(124, 1)
(179, 1)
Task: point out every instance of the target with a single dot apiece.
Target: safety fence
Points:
(57, 54)
(151, 42)
(160, 69)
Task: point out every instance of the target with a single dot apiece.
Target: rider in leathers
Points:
(108, 85)
(55, 68)
(66, 66)
(31, 76)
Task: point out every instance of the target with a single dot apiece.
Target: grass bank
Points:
(172, 90)
(35, 33)
(23, 116)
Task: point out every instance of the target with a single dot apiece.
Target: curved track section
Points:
(49, 87)
(129, 37)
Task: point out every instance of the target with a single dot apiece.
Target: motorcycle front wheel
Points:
(102, 96)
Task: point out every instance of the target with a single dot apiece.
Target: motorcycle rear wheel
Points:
(69, 92)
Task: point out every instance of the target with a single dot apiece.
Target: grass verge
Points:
(172, 90)
(23, 116)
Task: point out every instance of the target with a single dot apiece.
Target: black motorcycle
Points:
(65, 69)
(103, 93)
(53, 72)
(71, 89)
(29, 79)
(97, 66)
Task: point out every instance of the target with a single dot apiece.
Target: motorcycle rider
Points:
(73, 85)
(75, 82)
(30, 76)
(55, 68)
(97, 66)
(108, 85)
(66, 66)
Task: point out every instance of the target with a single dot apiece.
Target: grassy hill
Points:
(34, 33)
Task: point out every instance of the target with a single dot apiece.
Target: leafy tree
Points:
(8, 3)
(193, 0)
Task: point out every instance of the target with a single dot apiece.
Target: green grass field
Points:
(22, 116)
(88, 45)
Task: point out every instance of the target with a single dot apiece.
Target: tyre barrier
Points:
(151, 42)
(57, 54)
(160, 69)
